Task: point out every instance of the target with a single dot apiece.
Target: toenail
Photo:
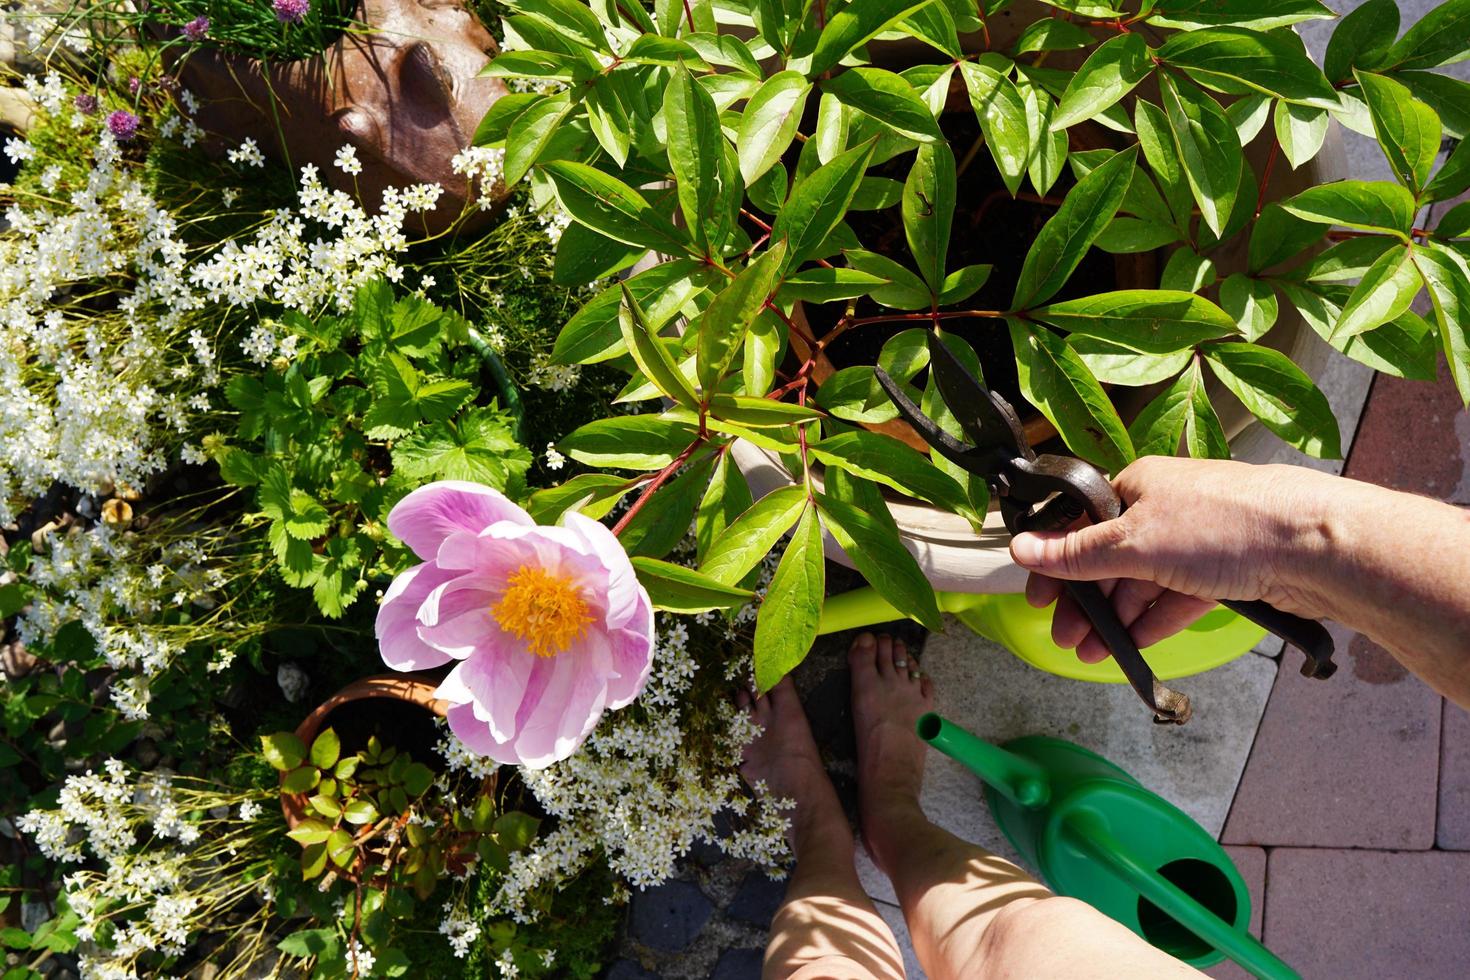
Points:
(866, 641)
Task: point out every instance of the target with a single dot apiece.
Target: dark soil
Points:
(989, 227)
(404, 726)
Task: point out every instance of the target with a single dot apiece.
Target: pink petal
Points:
(494, 684)
(397, 625)
(632, 654)
(476, 736)
(559, 717)
(424, 518)
(622, 583)
(455, 618)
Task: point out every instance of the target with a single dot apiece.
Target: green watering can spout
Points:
(1096, 834)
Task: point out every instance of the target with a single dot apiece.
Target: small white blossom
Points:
(247, 154)
(554, 459)
(347, 160)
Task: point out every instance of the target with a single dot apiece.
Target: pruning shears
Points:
(1049, 492)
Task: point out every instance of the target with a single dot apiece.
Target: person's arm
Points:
(1391, 565)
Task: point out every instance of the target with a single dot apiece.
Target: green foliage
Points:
(788, 145)
(377, 401)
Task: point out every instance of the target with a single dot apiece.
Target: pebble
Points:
(757, 900)
(16, 661)
(669, 916)
(293, 681)
(739, 964)
(629, 970)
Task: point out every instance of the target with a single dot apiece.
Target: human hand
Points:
(1194, 531)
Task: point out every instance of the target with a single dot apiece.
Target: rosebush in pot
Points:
(743, 148)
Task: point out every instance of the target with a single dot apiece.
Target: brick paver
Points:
(1414, 436)
(1454, 781)
(1348, 913)
(1352, 761)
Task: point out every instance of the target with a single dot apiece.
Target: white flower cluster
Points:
(460, 930)
(160, 878)
(638, 796)
(546, 373)
(117, 585)
(483, 166)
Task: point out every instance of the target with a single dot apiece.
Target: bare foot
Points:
(786, 759)
(887, 699)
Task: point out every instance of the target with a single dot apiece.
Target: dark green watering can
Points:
(1097, 835)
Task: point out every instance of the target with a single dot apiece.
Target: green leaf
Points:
(885, 460)
(1059, 384)
(935, 25)
(1249, 114)
(1407, 129)
(1448, 278)
(905, 291)
(632, 442)
(1052, 34)
(854, 25)
(1385, 292)
(854, 394)
(495, 125)
(301, 779)
(1300, 130)
(887, 98)
(1208, 149)
(652, 357)
(571, 19)
(1405, 348)
(928, 210)
(1346, 261)
(674, 588)
(881, 558)
(723, 325)
(1112, 71)
(753, 535)
(309, 942)
(1366, 205)
(818, 202)
(1116, 365)
(1238, 61)
(832, 128)
(341, 849)
(1261, 15)
(612, 208)
(1001, 112)
(401, 399)
(822, 285)
(1048, 150)
(584, 256)
(529, 134)
(725, 499)
(1069, 233)
(769, 122)
(360, 812)
(764, 343)
(1188, 271)
(664, 520)
(963, 283)
(787, 621)
(325, 749)
(1454, 224)
(1151, 321)
(1278, 393)
(1157, 142)
(593, 333)
(592, 494)
(1182, 411)
(695, 143)
(1450, 97)
(1453, 178)
(1442, 37)
(283, 750)
(1278, 236)
(1362, 39)
(757, 412)
(479, 446)
(1251, 303)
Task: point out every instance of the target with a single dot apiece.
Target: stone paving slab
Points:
(1415, 436)
(1251, 862)
(1352, 761)
(981, 686)
(1453, 831)
(1351, 913)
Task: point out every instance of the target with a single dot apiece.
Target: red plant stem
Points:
(750, 215)
(657, 482)
(950, 315)
(1342, 235)
(689, 14)
(1266, 177)
(791, 324)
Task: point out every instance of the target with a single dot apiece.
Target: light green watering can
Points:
(1217, 638)
(1097, 835)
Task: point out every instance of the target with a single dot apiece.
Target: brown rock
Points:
(16, 661)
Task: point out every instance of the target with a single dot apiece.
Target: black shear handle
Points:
(1100, 502)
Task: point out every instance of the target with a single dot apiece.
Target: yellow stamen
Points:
(544, 609)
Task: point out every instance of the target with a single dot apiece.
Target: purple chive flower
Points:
(291, 11)
(85, 104)
(197, 28)
(123, 124)
(134, 84)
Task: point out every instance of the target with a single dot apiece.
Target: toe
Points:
(863, 652)
(905, 664)
(885, 656)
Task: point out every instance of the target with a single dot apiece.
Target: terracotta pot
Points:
(952, 555)
(414, 688)
(406, 94)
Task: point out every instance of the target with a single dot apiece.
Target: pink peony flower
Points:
(549, 624)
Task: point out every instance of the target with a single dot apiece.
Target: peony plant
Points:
(725, 161)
